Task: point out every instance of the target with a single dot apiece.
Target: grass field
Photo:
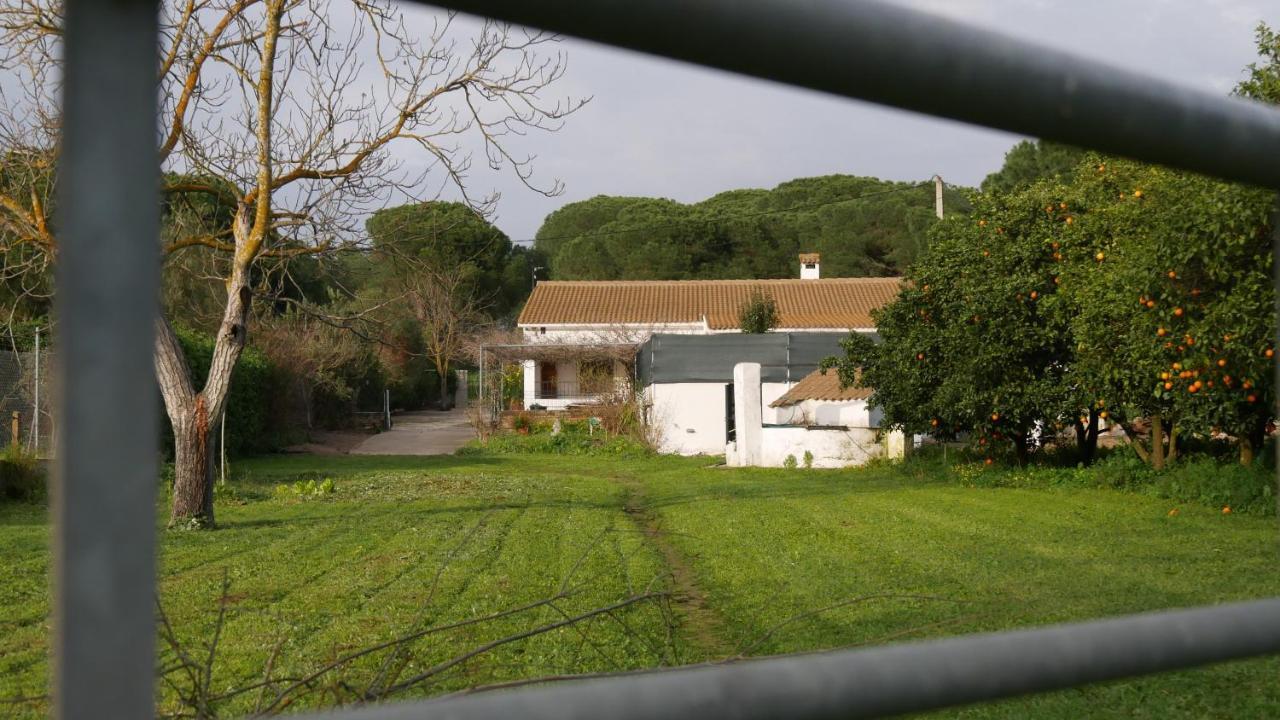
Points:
(406, 544)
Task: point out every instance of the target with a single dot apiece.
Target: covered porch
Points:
(554, 376)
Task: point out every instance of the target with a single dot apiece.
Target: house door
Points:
(730, 422)
(548, 387)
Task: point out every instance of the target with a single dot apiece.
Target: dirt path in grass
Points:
(702, 624)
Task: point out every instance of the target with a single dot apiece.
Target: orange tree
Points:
(1170, 275)
(978, 341)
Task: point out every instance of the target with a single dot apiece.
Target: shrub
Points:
(573, 439)
(808, 459)
(307, 489)
(790, 462)
(21, 476)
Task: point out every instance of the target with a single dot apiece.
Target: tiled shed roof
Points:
(836, 303)
(820, 385)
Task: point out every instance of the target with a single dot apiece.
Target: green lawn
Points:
(410, 543)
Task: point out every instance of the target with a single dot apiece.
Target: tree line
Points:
(862, 226)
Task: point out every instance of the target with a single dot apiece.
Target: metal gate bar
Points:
(108, 282)
(894, 56)
(890, 680)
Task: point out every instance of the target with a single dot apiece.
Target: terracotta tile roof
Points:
(835, 303)
(810, 257)
(820, 385)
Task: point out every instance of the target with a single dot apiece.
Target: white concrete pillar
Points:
(896, 444)
(746, 413)
(530, 383)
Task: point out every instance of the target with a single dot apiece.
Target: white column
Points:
(746, 413)
(530, 382)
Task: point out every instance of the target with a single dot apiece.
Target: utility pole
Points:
(937, 196)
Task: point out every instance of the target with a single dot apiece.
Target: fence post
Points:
(13, 429)
(35, 409)
(386, 408)
(108, 273)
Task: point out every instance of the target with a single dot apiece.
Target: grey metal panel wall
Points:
(669, 358)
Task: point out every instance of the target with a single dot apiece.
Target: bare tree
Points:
(447, 312)
(313, 352)
(271, 120)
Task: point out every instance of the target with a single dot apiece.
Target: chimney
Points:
(809, 266)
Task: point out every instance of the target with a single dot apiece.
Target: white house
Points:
(688, 340)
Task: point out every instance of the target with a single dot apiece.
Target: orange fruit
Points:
(1252, 398)
(934, 422)
(1164, 376)
(1173, 512)
(988, 461)
(1161, 332)
(1103, 414)
(1137, 193)
(1173, 275)
(1269, 352)
(919, 356)
(982, 223)
(1193, 389)
(1226, 509)
(1057, 280)
(1070, 219)
(1168, 386)
(1177, 366)
(1177, 312)
(995, 417)
(1222, 363)
(1151, 303)
(1034, 294)
(1062, 205)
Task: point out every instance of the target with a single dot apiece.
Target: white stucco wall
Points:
(688, 416)
(851, 413)
(831, 448)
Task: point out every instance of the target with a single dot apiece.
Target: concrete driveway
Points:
(420, 433)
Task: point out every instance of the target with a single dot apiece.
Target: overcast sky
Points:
(667, 129)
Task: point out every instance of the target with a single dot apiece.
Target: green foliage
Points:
(451, 237)
(21, 476)
(254, 418)
(759, 314)
(978, 341)
(581, 438)
(745, 233)
(1263, 82)
(808, 458)
(789, 462)
(1171, 275)
(1031, 161)
(306, 489)
(1204, 481)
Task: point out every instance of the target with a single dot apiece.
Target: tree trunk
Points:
(1020, 439)
(1174, 432)
(193, 414)
(1087, 439)
(1246, 452)
(445, 399)
(1135, 442)
(1157, 442)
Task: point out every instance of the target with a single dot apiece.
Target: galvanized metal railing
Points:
(108, 276)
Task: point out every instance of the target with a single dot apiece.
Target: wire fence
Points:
(26, 401)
